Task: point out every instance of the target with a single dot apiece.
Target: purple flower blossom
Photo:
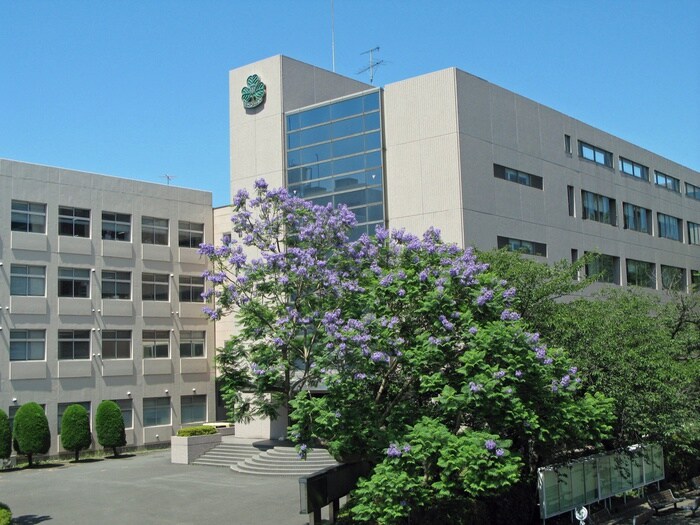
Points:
(360, 375)
(565, 381)
(423, 276)
(509, 315)
(518, 373)
(573, 370)
(499, 374)
(486, 296)
(260, 184)
(475, 387)
(541, 352)
(473, 330)
(490, 444)
(500, 452)
(393, 451)
(509, 293)
(446, 324)
(379, 356)
(406, 448)
(401, 292)
(548, 361)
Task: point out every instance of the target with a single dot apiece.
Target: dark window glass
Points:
(522, 246)
(27, 345)
(633, 169)
(191, 289)
(190, 234)
(156, 344)
(314, 116)
(156, 411)
(371, 102)
(692, 191)
(670, 227)
(349, 146)
(346, 108)
(73, 222)
(636, 218)
(28, 217)
(672, 278)
(598, 208)
(74, 344)
(597, 155)
(193, 408)
(350, 126)
(116, 285)
(116, 344)
(641, 273)
(154, 287)
(666, 181)
(27, 280)
(693, 233)
(606, 267)
(73, 282)
(116, 226)
(154, 231)
(519, 177)
(192, 343)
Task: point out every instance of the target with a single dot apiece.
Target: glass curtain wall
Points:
(334, 154)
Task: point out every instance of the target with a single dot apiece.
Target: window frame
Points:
(73, 222)
(76, 282)
(517, 176)
(153, 342)
(188, 404)
(670, 183)
(607, 156)
(152, 416)
(31, 337)
(119, 339)
(67, 340)
(607, 266)
(597, 213)
(693, 233)
(111, 223)
(28, 278)
(153, 285)
(664, 226)
(692, 191)
(651, 275)
(538, 249)
(155, 230)
(678, 281)
(190, 343)
(629, 221)
(188, 234)
(643, 170)
(19, 217)
(113, 282)
(187, 290)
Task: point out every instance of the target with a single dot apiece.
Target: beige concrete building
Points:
(485, 165)
(100, 284)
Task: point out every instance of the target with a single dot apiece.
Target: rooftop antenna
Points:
(168, 178)
(373, 64)
(333, 35)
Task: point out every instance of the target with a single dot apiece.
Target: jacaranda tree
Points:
(428, 371)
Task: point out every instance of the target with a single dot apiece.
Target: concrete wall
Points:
(51, 381)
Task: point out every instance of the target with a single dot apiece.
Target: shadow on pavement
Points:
(29, 519)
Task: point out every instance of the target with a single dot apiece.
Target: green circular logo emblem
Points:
(254, 93)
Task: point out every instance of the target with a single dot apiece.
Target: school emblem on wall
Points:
(253, 94)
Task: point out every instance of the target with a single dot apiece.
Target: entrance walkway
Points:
(147, 489)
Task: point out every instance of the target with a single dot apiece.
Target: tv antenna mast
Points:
(168, 178)
(373, 64)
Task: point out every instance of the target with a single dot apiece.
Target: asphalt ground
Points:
(147, 489)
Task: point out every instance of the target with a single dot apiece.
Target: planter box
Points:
(185, 450)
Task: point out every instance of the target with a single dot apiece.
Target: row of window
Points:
(633, 169)
(30, 217)
(156, 410)
(607, 267)
(600, 208)
(30, 345)
(28, 280)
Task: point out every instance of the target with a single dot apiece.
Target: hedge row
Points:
(202, 430)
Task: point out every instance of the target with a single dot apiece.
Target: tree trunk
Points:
(116, 452)
(29, 458)
(77, 455)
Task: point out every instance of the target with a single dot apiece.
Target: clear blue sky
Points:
(139, 89)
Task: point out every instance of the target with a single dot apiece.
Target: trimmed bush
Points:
(5, 436)
(75, 429)
(5, 514)
(202, 430)
(109, 425)
(31, 431)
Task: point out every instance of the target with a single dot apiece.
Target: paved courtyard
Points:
(147, 489)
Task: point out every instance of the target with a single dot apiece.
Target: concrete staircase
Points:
(228, 454)
(284, 461)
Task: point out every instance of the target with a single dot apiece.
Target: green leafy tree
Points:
(75, 429)
(5, 436)
(414, 342)
(31, 431)
(109, 426)
(5, 515)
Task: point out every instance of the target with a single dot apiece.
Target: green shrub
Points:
(75, 429)
(109, 425)
(5, 436)
(5, 514)
(31, 431)
(202, 430)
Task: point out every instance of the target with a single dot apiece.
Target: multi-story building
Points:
(490, 168)
(100, 284)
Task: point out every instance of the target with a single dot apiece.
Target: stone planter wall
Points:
(185, 450)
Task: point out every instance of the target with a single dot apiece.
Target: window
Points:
(116, 344)
(27, 345)
(73, 222)
(570, 201)
(526, 179)
(636, 218)
(641, 273)
(73, 282)
(598, 208)
(62, 410)
(693, 233)
(116, 226)
(155, 287)
(193, 409)
(606, 267)
(519, 245)
(27, 280)
(192, 343)
(191, 289)
(567, 144)
(692, 191)
(74, 344)
(695, 280)
(190, 234)
(597, 155)
(156, 344)
(672, 278)
(28, 217)
(668, 182)
(127, 408)
(670, 227)
(116, 285)
(633, 169)
(156, 411)
(154, 231)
